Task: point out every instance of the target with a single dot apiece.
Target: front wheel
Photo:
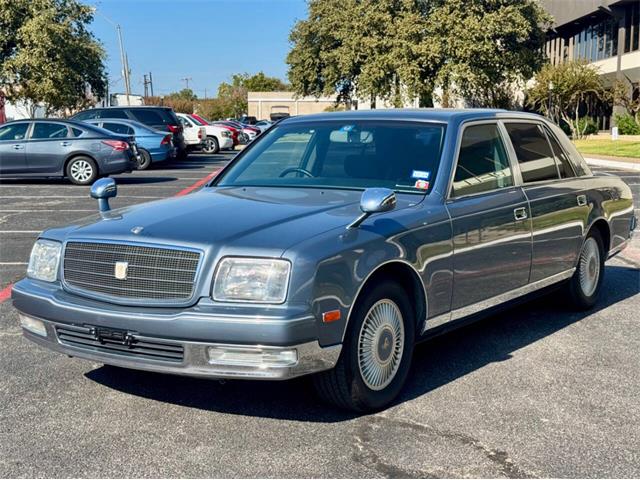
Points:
(584, 286)
(376, 354)
(211, 145)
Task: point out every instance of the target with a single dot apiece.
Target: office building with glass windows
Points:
(605, 33)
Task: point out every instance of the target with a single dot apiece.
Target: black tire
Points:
(211, 145)
(182, 154)
(345, 385)
(584, 298)
(82, 170)
(145, 159)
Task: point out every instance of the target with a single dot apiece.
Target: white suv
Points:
(216, 138)
(194, 134)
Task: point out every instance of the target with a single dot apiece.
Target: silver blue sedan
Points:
(330, 246)
(153, 145)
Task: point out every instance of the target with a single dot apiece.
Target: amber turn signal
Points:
(331, 316)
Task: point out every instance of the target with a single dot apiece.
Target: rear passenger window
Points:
(46, 131)
(86, 115)
(118, 128)
(113, 113)
(564, 164)
(148, 117)
(535, 157)
(483, 164)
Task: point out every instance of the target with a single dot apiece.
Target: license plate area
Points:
(106, 335)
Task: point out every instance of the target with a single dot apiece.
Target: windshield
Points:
(196, 120)
(399, 155)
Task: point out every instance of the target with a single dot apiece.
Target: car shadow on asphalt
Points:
(436, 362)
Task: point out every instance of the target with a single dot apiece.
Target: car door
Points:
(13, 159)
(49, 145)
(489, 218)
(558, 202)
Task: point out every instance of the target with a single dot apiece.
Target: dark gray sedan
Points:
(60, 148)
(331, 246)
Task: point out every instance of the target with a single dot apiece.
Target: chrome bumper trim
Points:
(311, 358)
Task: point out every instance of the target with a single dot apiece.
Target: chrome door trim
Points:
(468, 310)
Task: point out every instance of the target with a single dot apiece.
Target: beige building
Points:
(263, 104)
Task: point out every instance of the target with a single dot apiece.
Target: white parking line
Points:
(20, 231)
(14, 263)
(73, 196)
(49, 210)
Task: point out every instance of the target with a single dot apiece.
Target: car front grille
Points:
(86, 338)
(131, 272)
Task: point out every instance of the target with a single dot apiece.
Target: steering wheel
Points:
(289, 170)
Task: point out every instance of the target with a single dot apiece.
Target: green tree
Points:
(48, 56)
(184, 94)
(561, 92)
(488, 48)
(403, 49)
(232, 95)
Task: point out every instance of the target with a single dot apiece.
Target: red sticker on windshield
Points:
(422, 184)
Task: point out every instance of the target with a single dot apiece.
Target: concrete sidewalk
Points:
(613, 162)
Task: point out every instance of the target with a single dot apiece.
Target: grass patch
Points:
(618, 148)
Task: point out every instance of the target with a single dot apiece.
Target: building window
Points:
(632, 27)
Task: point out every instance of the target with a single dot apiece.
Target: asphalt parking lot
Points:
(535, 391)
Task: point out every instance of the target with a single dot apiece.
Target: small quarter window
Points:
(483, 164)
(535, 157)
(564, 164)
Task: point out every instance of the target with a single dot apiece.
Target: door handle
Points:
(582, 200)
(18, 147)
(520, 213)
(65, 144)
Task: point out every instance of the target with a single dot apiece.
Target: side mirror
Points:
(103, 190)
(374, 200)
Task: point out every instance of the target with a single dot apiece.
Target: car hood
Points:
(257, 218)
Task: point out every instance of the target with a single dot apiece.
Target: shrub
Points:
(585, 126)
(627, 124)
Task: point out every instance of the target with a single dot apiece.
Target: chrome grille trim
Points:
(155, 274)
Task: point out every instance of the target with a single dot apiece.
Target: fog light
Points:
(252, 356)
(33, 325)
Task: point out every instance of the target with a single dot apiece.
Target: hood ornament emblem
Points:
(137, 230)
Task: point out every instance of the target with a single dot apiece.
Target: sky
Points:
(206, 40)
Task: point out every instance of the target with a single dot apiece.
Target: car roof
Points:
(126, 121)
(130, 107)
(444, 115)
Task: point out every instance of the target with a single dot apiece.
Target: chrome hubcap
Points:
(81, 170)
(209, 146)
(589, 267)
(380, 344)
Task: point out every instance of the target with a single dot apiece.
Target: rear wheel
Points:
(584, 286)
(376, 353)
(144, 161)
(211, 145)
(82, 170)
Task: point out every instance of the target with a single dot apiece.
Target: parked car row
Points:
(111, 140)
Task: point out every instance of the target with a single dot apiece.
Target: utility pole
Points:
(186, 80)
(151, 83)
(125, 64)
(205, 93)
(146, 83)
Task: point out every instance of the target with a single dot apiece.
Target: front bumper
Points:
(195, 361)
(192, 331)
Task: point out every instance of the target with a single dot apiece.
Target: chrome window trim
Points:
(132, 301)
(469, 310)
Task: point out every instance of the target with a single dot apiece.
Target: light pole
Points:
(123, 55)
